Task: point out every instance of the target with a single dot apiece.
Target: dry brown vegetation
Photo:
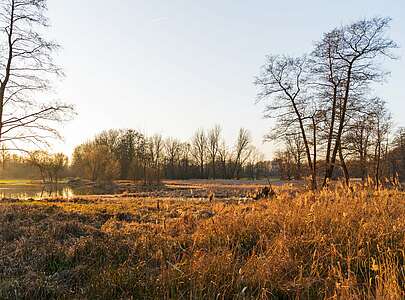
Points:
(331, 244)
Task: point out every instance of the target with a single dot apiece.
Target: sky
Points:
(171, 66)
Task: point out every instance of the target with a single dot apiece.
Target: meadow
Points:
(179, 243)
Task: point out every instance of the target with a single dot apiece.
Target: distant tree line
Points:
(41, 165)
(129, 154)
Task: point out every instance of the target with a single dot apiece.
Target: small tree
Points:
(58, 163)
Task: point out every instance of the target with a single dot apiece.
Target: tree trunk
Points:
(377, 169)
(202, 169)
(314, 171)
(307, 149)
(344, 167)
(213, 168)
(330, 136)
(330, 168)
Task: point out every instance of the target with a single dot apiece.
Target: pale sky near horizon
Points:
(171, 67)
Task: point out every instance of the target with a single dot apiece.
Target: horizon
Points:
(164, 65)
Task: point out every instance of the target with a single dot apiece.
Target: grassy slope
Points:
(333, 243)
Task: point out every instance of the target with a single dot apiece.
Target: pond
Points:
(38, 191)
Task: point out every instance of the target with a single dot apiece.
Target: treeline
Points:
(327, 116)
(289, 162)
(14, 166)
(129, 154)
(50, 168)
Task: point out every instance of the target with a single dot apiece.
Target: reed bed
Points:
(332, 244)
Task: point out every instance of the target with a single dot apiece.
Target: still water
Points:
(45, 191)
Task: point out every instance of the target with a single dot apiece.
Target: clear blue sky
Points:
(171, 67)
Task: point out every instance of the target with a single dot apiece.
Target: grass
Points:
(330, 244)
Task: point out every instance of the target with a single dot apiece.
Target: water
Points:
(38, 191)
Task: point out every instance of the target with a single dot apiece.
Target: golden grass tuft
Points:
(337, 244)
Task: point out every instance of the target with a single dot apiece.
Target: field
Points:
(174, 243)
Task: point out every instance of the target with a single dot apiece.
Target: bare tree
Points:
(95, 161)
(346, 61)
(173, 151)
(214, 136)
(283, 81)
(382, 124)
(58, 163)
(199, 149)
(40, 159)
(398, 154)
(223, 155)
(4, 156)
(26, 70)
(242, 151)
(358, 140)
(156, 148)
(296, 148)
(185, 152)
(49, 165)
(253, 161)
(285, 164)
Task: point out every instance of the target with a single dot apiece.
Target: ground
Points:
(174, 243)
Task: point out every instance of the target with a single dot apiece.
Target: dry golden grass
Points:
(337, 244)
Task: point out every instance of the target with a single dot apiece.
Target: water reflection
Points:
(46, 191)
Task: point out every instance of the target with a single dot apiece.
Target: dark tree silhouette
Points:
(26, 71)
(347, 61)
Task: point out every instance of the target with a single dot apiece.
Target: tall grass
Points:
(332, 244)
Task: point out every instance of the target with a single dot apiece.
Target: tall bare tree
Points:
(155, 157)
(185, 161)
(283, 82)
(242, 151)
(382, 125)
(199, 149)
(173, 151)
(223, 155)
(347, 61)
(214, 136)
(26, 71)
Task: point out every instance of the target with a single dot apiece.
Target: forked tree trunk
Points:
(330, 167)
(330, 137)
